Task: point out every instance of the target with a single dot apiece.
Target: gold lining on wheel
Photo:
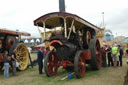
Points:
(22, 56)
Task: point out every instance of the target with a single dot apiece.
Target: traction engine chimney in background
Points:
(62, 5)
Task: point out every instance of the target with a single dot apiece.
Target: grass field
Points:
(105, 76)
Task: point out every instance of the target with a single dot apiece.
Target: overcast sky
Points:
(20, 14)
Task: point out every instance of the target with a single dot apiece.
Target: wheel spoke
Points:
(22, 63)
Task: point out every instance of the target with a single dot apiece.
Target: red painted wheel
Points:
(51, 64)
(96, 60)
(79, 65)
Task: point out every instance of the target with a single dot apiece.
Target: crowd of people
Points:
(10, 61)
(112, 55)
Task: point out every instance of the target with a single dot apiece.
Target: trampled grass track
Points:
(105, 76)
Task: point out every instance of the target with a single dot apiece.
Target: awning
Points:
(40, 45)
(56, 19)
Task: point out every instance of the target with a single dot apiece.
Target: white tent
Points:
(32, 41)
(37, 40)
(26, 41)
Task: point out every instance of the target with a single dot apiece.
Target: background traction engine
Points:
(73, 47)
(10, 41)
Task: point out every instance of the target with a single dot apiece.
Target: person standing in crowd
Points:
(120, 56)
(40, 55)
(46, 51)
(6, 64)
(110, 61)
(115, 55)
(13, 62)
(103, 53)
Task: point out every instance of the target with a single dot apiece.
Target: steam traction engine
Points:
(74, 43)
(10, 40)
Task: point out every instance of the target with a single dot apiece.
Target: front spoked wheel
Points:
(79, 64)
(51, 64)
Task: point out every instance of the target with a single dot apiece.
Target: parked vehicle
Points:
(10, 40)
(74, 43)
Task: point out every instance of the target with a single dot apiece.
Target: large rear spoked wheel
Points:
(22, 55)
(96, 60)
(79, 64)
(51, 64)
